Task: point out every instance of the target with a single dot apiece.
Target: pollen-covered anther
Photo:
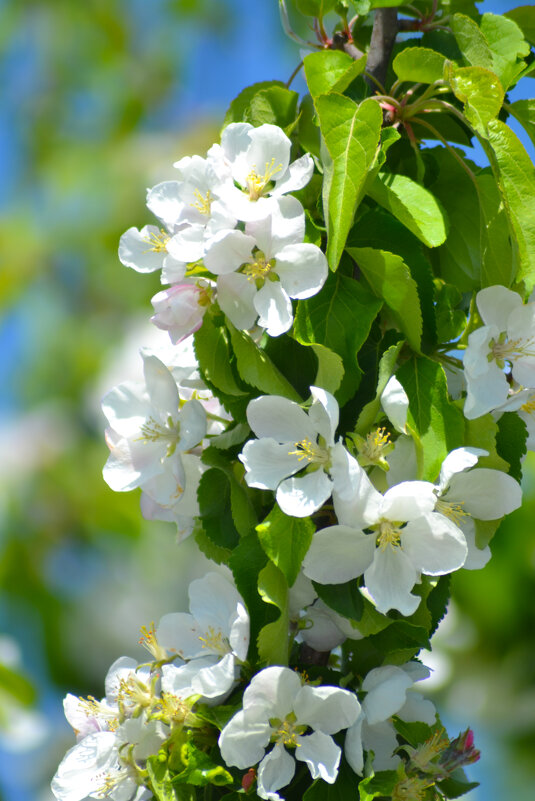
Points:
(203, 203)
(452, 510)
(389, 534)
(259, 268)
(411, 788)
(376, 443)
(286, 731)
(256, 184)
(134, 691)
(148, 640)
(215, 641)
(528, 406)
(311, 451)
(153, 430)
(503, 349)
(157, 242)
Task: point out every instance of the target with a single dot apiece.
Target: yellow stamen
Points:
(215, 641)
(157, 242)
(311, 451)
(389, 534)
(153, 430)
(452, 509)
(528, 406)
(259, 268)
(203, 203)
(256, 184)
(422, 756)
(148, 640)
(503, 349)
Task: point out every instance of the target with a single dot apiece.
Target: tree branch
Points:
(385, 28)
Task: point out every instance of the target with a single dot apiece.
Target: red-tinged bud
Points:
(460, 752)
(248, 779)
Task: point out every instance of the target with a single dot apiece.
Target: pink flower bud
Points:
(180, 309)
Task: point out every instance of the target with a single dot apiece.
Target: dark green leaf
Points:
(273, 638)
(511, 442)
(212, 348)
(415, 732)
(437, 601)
(387, 366)
(275, 105)
(342, 790)
(457, 785)
(345, 599)
(246, 562)
(381, 784)
(213, 495)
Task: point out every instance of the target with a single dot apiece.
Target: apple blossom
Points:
(181, 308)
(278, 708)
(260, 270)
(259, 161)
(507, 337)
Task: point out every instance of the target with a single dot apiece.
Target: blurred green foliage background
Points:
(98, 99)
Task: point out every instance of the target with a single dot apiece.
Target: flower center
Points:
(452, 509)
(389, 534)
(528, 406)
(157, 242)
(148, 640)
(215, 641)
(96, 709)
(153, 430)
(133, 691)
(203, 203)
(110, 782)
(256, 184)
(311, 451)
(503, 349)
(259, 268)
(286, 731)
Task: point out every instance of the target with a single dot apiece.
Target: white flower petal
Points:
(161, 386)
(235, 295)
(165, 201)
(296, 177)
(324, 413)
(477, 557)
(284, 226)
(227, 251)
(408, 500)
(279, 418)
(402, 462)
(192, 421)
(268, 462)
(215, 681)
(302, 269)
(456, 461)
(326, 709)
(179, 632)
(272, 692)
(486, 392)
(303, 495)
(135, 249)
(418, 708)
(338, 554)
(485, 494)
(395, 403)
(389, 580)
(131, 463)
(214, 602)
(356, 501)
(275, 771)
(321, 755)
(187, 245)
(83, 767)
(434, 544)
(274, 308)
(386, 689)
(353, 746)
(381, 739)
(495, 305)
(243, 742)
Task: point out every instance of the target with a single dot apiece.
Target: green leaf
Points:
(380, 784)
(419, 65)
(286, 541)
(274, 105)
(213, 352)
(331, 71)
(351, 134)
(413, 205)
(415, 732)
(390, 279)
(481, 92)
(485, 531)
(472, 42)
(457, 784)
(340, 318)
(451, 321)
(345, 599)
(511, 442)
(330, 368)
(273, 638)
(516, 179)
(256, 368)
(507, 45)
(499, 259)
(216, 553)
(482, 433)
(387, 366)
(437, 425)
(437, 601)
(234, 435)
(213, 495)
(238, 107)
(524, 111)
(246, 562)
(199, 769)
(524, 16)
(241, 508)
(17, 686)
(161, 779)
(315, 8)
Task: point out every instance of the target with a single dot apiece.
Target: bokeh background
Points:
(98, 98)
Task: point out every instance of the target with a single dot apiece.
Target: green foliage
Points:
(273, 638)
(419, 65)
(345, 599)
(351, 136)
(381, 784)
(480, 91)
(511, 442)
(331, 71)
(286, 541)
(265, 102)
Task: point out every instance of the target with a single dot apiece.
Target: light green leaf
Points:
(315, 8)
(339, 317)
(499, 259)
(274, 105)
(472, 42)
(436, 424)
(330, 368)
(256, 368)
(273, 638)
(238, 107)
(390, 279)
(212, 349)
(516, 179)
(387, 366)
(507, 44)
(286, 541)
(524, 111)
(331, 71)
(524, 16)
(231, 437)
(419, 65)
(481, 92)
(161, 780)
(351, 134)
(380, 784)
(16, 685)
(482, 433)
(413, 205)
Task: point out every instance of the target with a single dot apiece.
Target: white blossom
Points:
(259, 271)
(278, 708)
(290, 441)
(507, 338)
(259, 161)
(391, 540)
(181, 308)
(213, 638)
(146, 250)
(388, 692)
(148, 431)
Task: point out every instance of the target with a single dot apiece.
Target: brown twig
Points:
(385, 28)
